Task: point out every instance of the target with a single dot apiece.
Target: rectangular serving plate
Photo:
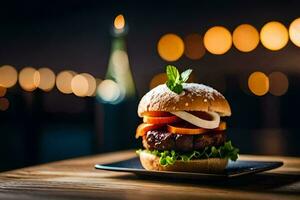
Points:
(233, 169)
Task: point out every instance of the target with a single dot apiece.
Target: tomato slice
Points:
(186, 129)
(143, 128)
(157, 114)
(161, 120)
(221, 127)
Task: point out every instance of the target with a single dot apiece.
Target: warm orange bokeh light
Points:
(170, 47)
(4, 104)
(194, 47)
(63, 81)
(119, 22)
(217, 40)
(274, 36)
(294, 32)
(44, 79)
(27, 78)
(8, 76)
(2, 91)
(91, 84)
(158, 79)
(80, 85)
(245, 37)
(258, 83)
(279, 83)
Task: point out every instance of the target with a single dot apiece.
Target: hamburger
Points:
(183, 127)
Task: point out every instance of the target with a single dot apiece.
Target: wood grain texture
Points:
(77, 179)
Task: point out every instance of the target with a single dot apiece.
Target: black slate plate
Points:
(233, 169)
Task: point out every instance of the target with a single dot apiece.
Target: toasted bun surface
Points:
(211, 165)
(195, 97)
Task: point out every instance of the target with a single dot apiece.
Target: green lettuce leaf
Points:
(170, 157)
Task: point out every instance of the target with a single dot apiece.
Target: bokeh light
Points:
(98, 82)
(279, 83)
(109, 91)
(120, 61)
(63, 81)
(258, 83)
(83, 85)
(2, 91)
(274, 36)
(44, 79)
(8, 76)
(91, 84)
(80, 85)
(158, 79)
(294, 32)
(4, 104)
(217, 40)
(170, 47)
(119, 22)
(194, 47)
(120, 72)
(245, 37)
(27, 77)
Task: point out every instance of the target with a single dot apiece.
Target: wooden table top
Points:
(77, 179)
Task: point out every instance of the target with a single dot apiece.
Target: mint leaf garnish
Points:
(175, 79)
(172, 73)
(186, 74)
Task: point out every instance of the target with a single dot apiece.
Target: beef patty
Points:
(163, 140)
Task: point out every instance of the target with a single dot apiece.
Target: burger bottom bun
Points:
(210, 165)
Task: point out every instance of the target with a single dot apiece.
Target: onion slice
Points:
(208, 124)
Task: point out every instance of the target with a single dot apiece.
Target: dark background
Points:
(40, 127)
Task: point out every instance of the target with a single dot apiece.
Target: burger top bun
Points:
(194, 97)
